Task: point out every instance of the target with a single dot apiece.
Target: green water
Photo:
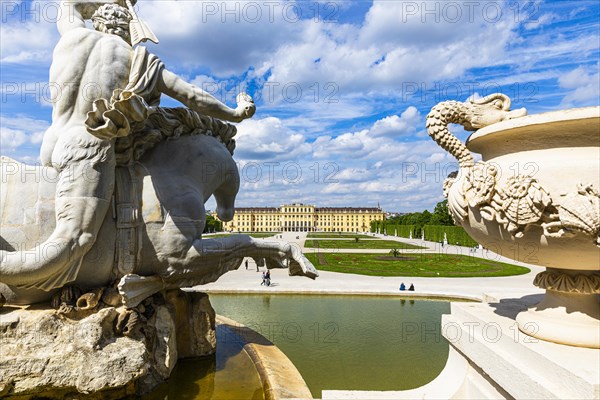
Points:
(228, 375)
(348, 342)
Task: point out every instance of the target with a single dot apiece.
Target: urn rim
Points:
(581, 122)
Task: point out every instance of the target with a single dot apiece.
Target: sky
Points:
(341, 88)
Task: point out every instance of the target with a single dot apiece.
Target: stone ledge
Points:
(279, 377)
(441, 296)
(525, 367)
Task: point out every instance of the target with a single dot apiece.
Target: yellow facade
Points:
(303, 218)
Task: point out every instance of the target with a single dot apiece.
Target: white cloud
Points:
(269, 139)
(356, 175)
(226, 37)
(376, 141)
(19, 131)
(395, 126)
(384, 52)
(10, 139)
(354, 168)
(31, 40)
(583, 85)
(542, 20)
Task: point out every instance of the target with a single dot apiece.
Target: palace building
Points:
(303, 218)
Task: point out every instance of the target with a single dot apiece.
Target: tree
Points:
(423, 219)
(440, 215)
(212, 225)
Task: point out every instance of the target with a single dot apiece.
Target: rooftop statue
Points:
(128, 203)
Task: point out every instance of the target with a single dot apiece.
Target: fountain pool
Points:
(348, 342)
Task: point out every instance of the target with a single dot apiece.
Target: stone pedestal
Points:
(570, 311)
(109, 354)
(505, 363)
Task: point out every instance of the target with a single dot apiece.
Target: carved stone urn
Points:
(534, 198)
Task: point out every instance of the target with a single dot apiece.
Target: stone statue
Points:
(153, 203)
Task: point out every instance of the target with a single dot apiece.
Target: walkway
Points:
(487, 289)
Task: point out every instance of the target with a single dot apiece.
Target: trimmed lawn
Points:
(218, 235)
(334, 235)
(263, 235)
(361, 244)
(425, 265)
(254, 235)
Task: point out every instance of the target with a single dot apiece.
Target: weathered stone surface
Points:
(195, 323)
(45, 354)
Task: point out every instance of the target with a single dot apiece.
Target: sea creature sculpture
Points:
(475, 183)
(152, 240)
(518, 202)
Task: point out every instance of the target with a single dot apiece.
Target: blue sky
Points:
(342, 87)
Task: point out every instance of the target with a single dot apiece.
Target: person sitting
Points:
(411, 288)
(402, 286)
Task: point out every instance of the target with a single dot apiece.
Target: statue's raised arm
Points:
(203, 102)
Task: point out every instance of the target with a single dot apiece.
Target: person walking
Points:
(268, 278)
(264, 278)
(246, 263)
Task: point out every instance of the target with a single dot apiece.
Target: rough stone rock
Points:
(45, 354)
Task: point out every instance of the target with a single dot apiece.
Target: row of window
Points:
(246, 217)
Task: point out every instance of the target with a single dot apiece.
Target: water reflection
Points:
(228, 375)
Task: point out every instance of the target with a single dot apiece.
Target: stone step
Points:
(523, 366)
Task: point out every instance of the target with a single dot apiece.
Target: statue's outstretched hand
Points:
(277, 254)
(297, 263)
(245, 107)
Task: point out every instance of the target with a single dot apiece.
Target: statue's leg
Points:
(225, 194)
(82, 200)
(208, 259)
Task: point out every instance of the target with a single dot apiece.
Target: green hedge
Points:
(391, 229)
(433, 233)
(401, 230)
(454, 234)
